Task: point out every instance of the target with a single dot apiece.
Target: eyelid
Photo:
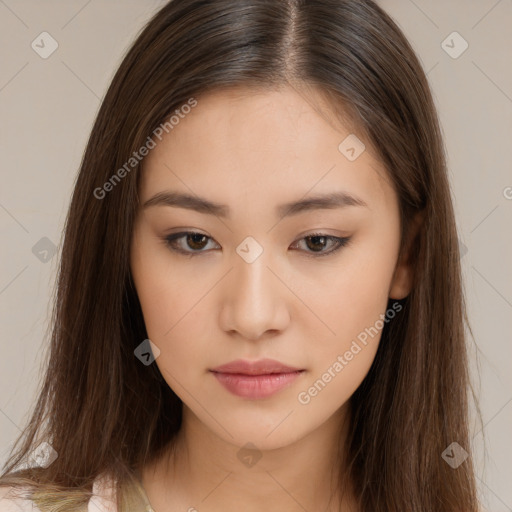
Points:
(339, 241)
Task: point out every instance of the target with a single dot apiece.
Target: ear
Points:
(403, 277)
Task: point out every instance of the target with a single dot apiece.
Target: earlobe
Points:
(402, 282)
(403, 277)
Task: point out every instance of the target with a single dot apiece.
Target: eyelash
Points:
(171, 240)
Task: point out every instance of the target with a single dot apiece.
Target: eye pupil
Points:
(322, 245)
(195, 237)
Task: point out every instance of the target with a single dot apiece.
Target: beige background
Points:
(47, 107)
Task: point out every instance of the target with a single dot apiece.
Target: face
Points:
(251, 278)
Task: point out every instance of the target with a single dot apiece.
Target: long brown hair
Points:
(102, 410)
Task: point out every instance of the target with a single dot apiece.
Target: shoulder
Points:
(11, 501)
(102, 500)
(104, 495)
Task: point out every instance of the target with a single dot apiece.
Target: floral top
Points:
(103, 500)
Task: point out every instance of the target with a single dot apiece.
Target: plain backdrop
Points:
(47, 107)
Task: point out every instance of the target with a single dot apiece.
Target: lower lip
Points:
(256, 386)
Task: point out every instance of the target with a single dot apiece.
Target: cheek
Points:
(352, 302)
(356, 291)
(156, 292)
(340, 362)
(155, 285)
(170, 309)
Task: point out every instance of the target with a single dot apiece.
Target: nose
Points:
(254, 301)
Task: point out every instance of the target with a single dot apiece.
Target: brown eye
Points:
(316, 242)
(195, 242)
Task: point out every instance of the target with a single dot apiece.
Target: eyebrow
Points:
(329, 201)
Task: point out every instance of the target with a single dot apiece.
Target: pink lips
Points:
(258, 379)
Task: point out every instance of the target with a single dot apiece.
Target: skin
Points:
(253, 151)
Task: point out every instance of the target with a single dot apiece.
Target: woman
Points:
(260, 297)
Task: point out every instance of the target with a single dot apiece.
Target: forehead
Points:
(273, 144)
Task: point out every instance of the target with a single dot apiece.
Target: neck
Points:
(202, 470)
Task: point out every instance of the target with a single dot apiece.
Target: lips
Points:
(261, 367)
(255, 380)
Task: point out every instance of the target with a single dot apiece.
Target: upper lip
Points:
(260, 367)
